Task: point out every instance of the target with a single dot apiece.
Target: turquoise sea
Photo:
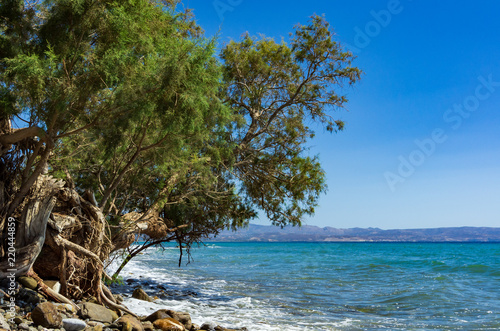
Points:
(327, 286)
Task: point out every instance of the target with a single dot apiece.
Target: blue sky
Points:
(421, 146)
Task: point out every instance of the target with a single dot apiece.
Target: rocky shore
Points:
(23, 307)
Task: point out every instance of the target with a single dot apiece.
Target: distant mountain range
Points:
(268, 233)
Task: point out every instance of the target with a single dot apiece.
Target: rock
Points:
(28, 282)
(148, 326)
(95, 312)
(73, 324)
(23, 326)
(141, 295)
(208, 326)
(29, 296)
(114, 314)
(129, 323)
(95, 326)
(168, 324)
(157, 315)
(182, 317)
(65, 308)
(3, 323)
(46, 315)
(17, 320)
(195, 327)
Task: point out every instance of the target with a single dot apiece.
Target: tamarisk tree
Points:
(118, 120)
(104, 95)
(277, 89)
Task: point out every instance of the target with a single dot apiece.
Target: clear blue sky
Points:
(422, 143)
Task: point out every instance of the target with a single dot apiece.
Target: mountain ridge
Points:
(312, 233)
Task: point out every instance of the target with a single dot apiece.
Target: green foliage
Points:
(276, 89)
(134, 106)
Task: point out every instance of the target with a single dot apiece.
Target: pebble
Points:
(73, 324)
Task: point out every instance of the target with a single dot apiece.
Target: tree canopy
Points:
(131, 106)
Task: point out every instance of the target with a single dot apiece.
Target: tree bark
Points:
(31, 227)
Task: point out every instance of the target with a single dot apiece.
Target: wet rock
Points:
(129, 323)
(182, 317)
(73, 324)
(95, 312)
(168, 324)
(141, 295)
(46, 315)
(157, 315)
(28, 282)
(208, 326)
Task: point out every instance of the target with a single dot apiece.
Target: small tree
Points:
(277, 90)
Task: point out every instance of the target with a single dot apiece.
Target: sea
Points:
(324, 286)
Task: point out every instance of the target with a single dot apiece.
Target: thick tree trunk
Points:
(31, 227)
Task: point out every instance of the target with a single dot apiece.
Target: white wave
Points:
(211, 304)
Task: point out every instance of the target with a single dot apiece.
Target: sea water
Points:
(326, 286)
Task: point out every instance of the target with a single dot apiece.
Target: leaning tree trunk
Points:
(31, 226)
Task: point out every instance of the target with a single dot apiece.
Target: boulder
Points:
(182, 317)
(46, 315)
(157, 315)
(129, 322)
(73, 324)
(28, 282)
(95, 312)
(168, 324)
(141, 295)
(208, 326)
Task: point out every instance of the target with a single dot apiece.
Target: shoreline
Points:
(24, 308)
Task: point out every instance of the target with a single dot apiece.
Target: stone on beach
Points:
(182, 317)
(129, 322)
(28, 282)
(96, 312)
(3, 323)
(73, 324)
(168, 324)
(157, 315)
(46, 315)
(141, 295)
